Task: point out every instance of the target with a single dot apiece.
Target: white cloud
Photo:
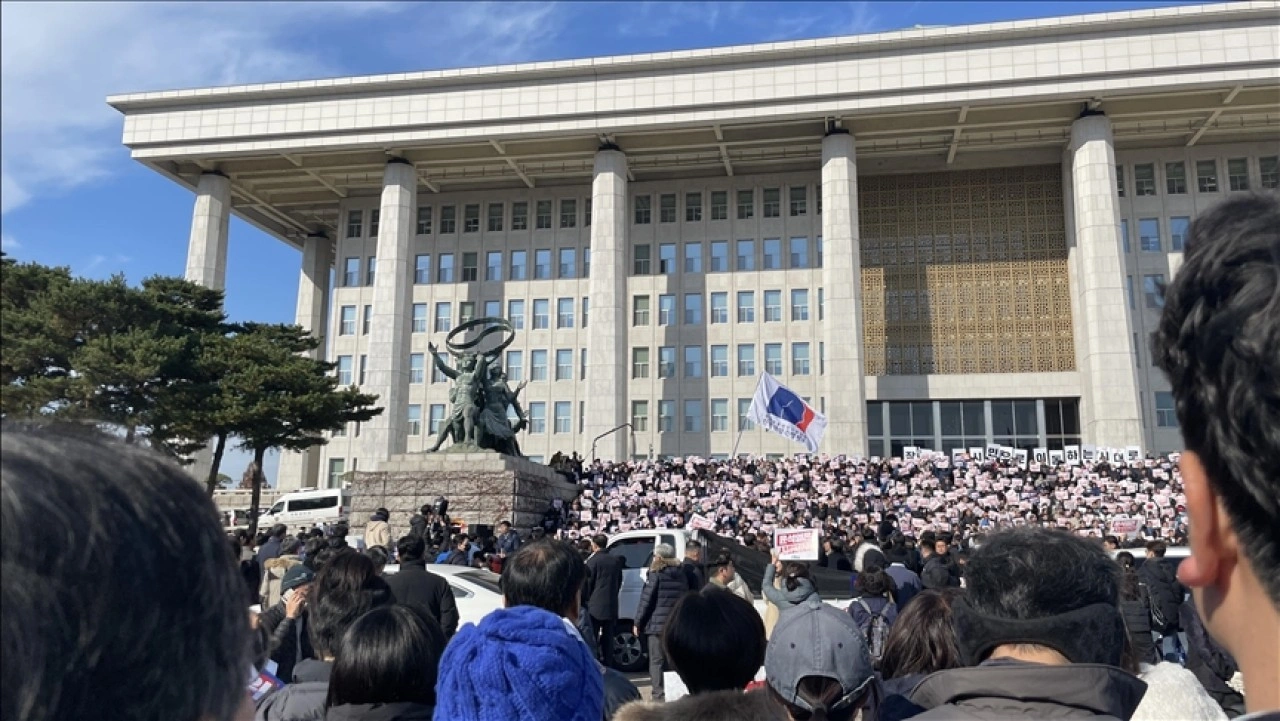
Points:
(60, 62)
(8, 243)
(660, 19)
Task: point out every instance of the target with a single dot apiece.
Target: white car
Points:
(475, 589)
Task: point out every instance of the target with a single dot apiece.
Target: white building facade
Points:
(940, 237)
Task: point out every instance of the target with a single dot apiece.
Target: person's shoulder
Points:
(710, 706)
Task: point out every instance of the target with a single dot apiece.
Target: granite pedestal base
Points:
(482, 487)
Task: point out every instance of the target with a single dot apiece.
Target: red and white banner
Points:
(796, 544)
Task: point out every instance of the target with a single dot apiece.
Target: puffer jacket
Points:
(781, 597)
(272, 574)
(710, 706)
(663, 588)
(302, 700)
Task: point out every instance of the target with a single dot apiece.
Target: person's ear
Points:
(1214, 547)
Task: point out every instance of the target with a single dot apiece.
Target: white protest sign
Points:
(796, 544)
(957, 455)
(1005, 453)
(700, 522)
(910, 453)
(1134, 453)
(1021, 455)
(977, 454)
(1056, 457)
(1041, 455)
(993, 452)
(1073, 454)
(1088, 452)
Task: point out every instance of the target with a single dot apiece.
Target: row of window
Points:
(497, 267)
(442, 321)
(496, 218)
(692, 416)
(1176, 180)
(718, 207)
(745, 258)
(719, 357)
(564, 212)
(946, 425)
(719, 307)
(1149, 237)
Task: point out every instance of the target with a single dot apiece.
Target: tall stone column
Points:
(207, 263)
(388, 371)
(1111, 414)
(606, 397)
(207, 247)
(844, 383)
(302, 470)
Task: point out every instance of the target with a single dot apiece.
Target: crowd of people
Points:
(123, 598)
(1136, 501)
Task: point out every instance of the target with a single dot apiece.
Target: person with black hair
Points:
(1041, 625)
(715, 643)
(549, 574)
(386, 667)
(666, 583)
(1219, 344)
(940, 570)
(873, 608)
(796, 584)
(836, 559)
(725, 575)
(377, 532)
(345, 589)
(380, 556)
(121, 595)
(1135, 604)
(508, 540)
(414, 585)
(1160, 577)
(271, 547)
(906, 584)
(600, 592)
(693, 567)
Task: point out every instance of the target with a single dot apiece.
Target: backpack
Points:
(877, 632)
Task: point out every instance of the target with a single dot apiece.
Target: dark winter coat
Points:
(508, 543)
(1160, 577)
(1137, 619)
(302, 700)
(1212, 665)
(696, 573)
(907, 584)
(456, 558)
(837, 561)
(940, 573)
(414, 585)
(379, 712)
(661, 591)
(997, 690)
(290, 639)
(268, 551)
(604, 581)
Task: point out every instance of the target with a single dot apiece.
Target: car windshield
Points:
(487, 581)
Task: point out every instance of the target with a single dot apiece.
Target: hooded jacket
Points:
(1008, 689)
(272, 574)
(663, 588)
(377, 532)
(781, 597)
(710, 706)
(401, 711)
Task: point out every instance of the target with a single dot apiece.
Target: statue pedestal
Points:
(483, 487)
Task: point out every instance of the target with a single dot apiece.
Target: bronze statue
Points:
(479, 396)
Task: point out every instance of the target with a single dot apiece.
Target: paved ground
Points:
(641, 680)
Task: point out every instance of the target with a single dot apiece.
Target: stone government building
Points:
(940, 236)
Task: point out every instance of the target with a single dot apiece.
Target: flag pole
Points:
(738, 440)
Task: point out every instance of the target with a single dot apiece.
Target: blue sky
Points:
(71, 195)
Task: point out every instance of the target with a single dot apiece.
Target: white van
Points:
(309, 508)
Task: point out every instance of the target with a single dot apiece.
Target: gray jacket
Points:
(781, 597)
(1005, 689)
(302, 700)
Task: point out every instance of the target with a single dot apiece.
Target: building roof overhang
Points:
(925, 99)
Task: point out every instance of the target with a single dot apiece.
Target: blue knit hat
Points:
(522, 664)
